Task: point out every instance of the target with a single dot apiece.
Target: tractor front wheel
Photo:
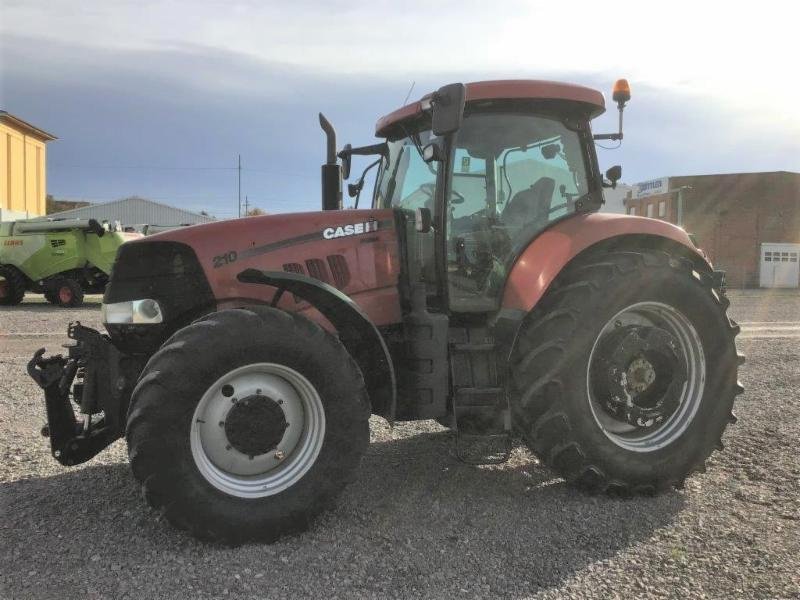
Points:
(624, 376)
(12, 286)
(246, 424)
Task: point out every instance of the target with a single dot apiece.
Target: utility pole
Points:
(246, 206)
(240, 185)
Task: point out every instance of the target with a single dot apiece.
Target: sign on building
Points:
(652, 187)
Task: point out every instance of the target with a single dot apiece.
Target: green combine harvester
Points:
(62, 259)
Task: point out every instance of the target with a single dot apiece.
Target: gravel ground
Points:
(417, 523)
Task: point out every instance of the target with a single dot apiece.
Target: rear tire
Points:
(594, 443)
(175, 450)
(14, 284)
(66, 293)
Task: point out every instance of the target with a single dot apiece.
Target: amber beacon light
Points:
(621, 92)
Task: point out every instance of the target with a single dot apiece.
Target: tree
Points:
(255, 212)
(53, 206)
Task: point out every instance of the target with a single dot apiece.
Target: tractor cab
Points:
(486, 167)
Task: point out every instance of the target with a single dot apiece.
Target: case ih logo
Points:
(331, 233)
(12, 243)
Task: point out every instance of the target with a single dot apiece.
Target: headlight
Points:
(133, 311)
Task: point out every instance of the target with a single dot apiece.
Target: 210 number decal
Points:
(225, 259)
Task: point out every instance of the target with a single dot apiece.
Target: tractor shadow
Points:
(414, 514)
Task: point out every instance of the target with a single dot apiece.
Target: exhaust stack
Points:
(331, 170)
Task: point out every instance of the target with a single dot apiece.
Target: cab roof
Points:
(506, 89)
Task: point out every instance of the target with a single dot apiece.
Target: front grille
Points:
(168, 272)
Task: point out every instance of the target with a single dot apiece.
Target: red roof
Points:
(508, 89)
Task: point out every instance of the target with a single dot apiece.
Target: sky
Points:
(158, 98)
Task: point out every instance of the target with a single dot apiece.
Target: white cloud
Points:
(735, 53)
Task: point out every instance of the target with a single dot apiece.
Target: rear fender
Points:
(548, 254)
(574, 239)
(356, 331)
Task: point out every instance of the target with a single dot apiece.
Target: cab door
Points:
(511, 176)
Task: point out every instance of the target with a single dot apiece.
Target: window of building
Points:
(767, 256)
(650, 210)
(662, 209)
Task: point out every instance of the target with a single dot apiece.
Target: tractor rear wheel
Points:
(66, 293)
(624, 376)
(246, 424)
(12, 286)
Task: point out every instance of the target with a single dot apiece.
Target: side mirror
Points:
(347, 161)
(432, 153)
(614, 174)
(354, 189)
(448, 108)
(550, 151)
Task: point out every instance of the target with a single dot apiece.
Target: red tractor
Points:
(482, 289)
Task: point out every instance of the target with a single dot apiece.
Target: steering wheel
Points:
(430, 189)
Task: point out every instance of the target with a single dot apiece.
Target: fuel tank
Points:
(355, 251)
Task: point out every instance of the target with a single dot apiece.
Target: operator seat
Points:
(531, 205)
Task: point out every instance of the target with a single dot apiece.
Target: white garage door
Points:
(780, 266)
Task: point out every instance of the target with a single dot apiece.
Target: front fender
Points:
(547, 255)
(356, 331)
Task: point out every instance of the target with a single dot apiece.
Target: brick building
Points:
(731, 215)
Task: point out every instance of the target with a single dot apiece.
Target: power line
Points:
(141, 167)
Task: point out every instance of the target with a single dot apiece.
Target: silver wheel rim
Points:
(236, 473)
(654, 314)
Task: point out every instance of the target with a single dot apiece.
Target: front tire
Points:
(624, 376)
(246, 424)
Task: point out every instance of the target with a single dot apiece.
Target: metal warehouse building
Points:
(748, 223)
(132, 212)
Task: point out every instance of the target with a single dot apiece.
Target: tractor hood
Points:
(193, 270)
(278, 243)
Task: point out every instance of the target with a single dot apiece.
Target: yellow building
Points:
(23, 177)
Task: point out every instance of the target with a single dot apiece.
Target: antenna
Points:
(408, 95)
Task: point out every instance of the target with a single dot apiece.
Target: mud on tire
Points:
(549, 389)
(176, 377)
